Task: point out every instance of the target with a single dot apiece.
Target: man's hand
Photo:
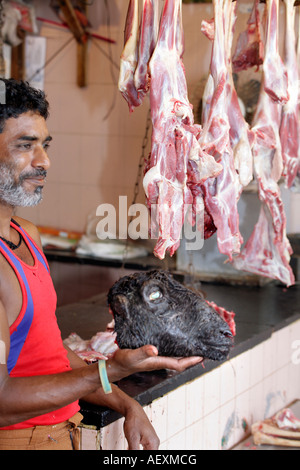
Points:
(130, 361)
(138, 430)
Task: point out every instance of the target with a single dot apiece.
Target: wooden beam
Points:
(72, 21)
(82, 56)
(81, 64)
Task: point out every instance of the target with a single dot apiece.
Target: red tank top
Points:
(36, 346)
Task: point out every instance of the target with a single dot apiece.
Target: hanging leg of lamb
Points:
(267, 252)
(249, 47)
(241, 136)
(262, 254)
(295, 187)
(290, 125)
(174, 141)
(221, 194)
(275, 74)
(148, 37)
(129, 57)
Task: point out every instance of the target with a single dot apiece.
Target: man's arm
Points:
(22, 398)
(137, 428)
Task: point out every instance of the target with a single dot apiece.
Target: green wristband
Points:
(103, 377)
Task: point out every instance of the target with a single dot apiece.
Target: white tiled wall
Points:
(216, 410)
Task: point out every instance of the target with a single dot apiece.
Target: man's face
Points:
(23, 159)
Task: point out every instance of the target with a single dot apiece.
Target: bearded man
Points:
(41, 381)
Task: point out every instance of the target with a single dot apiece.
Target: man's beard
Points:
(13, 193)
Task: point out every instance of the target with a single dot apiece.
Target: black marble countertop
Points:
(259, 311)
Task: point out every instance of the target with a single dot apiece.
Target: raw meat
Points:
(285, 419)
(267, 252)
(295, 187)
(263, 255)
(101, 346)
(221, 194)
(275, 74)
(148, 37)
(228, 316)
(241, 137)
(283, 429)
(249, 47)
(176, 161)
(129, 57)
(290, 125)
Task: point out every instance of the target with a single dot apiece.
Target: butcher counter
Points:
(261, 375)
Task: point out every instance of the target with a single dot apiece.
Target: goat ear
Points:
(121, 305)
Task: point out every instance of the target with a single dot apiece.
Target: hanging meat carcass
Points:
(129, 57)
(226, 135)
(290, 125)
(267, 252)
(241, 137)
(176, 162)
(148, 37)
(249, 46)
(275, 74)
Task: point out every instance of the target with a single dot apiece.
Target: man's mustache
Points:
(33, 174)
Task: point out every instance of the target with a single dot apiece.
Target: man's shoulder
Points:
(30, 228)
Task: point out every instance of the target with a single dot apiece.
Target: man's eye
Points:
(25, 146)
(46, 145)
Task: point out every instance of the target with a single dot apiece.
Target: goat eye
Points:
(155, 295)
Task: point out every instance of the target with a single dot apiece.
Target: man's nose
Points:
(40, 158)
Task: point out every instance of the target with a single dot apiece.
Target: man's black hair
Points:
(20, 98)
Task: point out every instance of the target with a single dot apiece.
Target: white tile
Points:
(177, 441)
(269, 352)
(228, 420)
(176, 411)
(270, 396)
(112, 436)
(256, 364)
(243, 415)
(293, 374)
(242, 367)
(212, 433)
(281, 385)
(295, 345)
(256, 402)
(282, 346)
(89, 439)
(212, 391)
(227, 382)
(195, 435)
(194, 400)
(159, 417)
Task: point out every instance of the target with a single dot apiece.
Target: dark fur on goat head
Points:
(153, 308)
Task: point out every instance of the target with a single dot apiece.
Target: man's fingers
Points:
(149, 351)
(186, 362)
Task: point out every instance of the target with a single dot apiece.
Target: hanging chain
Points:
(139, 175)
(2, 62)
